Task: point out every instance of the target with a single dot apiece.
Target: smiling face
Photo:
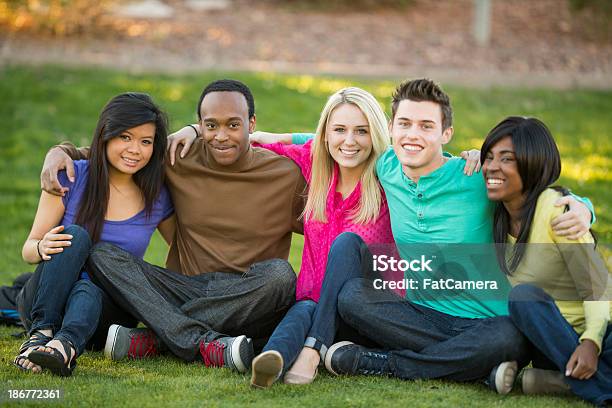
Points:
(501, 173)
(226, 125)
(418, 136)
(132, 149)
(348, 136)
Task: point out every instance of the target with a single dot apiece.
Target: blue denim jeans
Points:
(56, 298)
(425, 343)
(535, 313)
(343, 264)
(288, 337)
(422, 342)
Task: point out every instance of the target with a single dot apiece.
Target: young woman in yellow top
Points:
(560, 299)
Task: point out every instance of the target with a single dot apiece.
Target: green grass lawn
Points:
(43, 106)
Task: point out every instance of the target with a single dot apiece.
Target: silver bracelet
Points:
(38, 248)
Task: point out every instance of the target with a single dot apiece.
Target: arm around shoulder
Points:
(577, 220)
(269, 138)
(58, 158)
(75, 153)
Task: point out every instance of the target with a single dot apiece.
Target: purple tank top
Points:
(132, 235)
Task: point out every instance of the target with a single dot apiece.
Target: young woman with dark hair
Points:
(117, 196)
(560, 300)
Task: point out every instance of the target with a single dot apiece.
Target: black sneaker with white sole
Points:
(235, 353)
(348, 358)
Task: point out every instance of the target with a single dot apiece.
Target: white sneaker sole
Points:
(505, 376)
(331, 351)
(111, 338)
(236, 359)
(266, 369)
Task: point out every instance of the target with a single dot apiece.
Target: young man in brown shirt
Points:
(236, 208)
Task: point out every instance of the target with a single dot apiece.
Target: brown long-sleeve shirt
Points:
(229, 217)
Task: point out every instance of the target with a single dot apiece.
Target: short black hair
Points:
(228, 85)
(424, 90)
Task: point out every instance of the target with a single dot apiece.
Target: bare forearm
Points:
(75, 153)
(269, 138)
(29, 253)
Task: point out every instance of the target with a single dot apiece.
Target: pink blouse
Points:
(318, 236)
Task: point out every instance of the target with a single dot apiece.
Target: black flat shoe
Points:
(54, 360)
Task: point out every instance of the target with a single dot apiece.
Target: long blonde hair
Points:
(323, 163)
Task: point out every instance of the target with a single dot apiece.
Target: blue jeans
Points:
(288, 337)
(538, 317)
(55, 297)
(342, 265)
(422, 342)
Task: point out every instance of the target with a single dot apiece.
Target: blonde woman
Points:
(343, 195)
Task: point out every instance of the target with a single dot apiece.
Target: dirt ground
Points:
(533, 43)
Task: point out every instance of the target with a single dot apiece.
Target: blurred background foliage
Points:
(55, 17)
(73, 17)
(599, 13)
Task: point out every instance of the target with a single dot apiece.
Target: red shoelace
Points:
(142, 345)
(212, 353)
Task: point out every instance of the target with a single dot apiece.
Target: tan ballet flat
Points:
(299, 379)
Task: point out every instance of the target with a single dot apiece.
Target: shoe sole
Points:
(236, 356)
(51, 363)
(111, 339)
(331, 351)
(505, 376)
(266, 369)
(537, 381)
